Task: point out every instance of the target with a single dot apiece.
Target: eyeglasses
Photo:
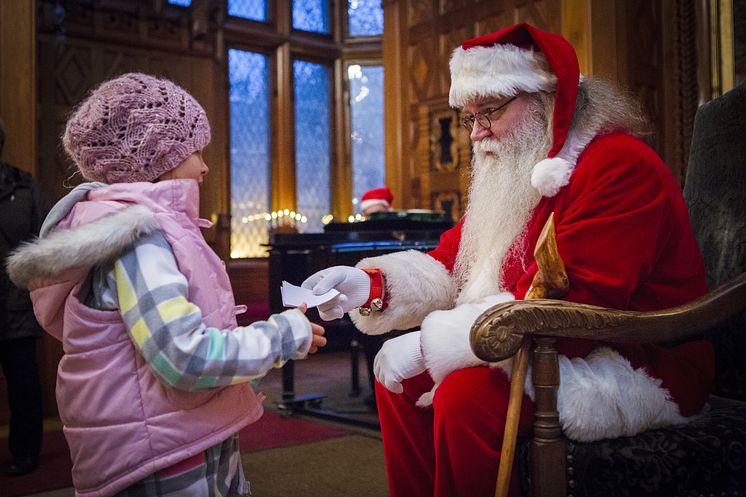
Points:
(483, 118)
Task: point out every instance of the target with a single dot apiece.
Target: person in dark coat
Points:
(21, 213)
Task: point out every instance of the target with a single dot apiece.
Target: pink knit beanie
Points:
(135, 128)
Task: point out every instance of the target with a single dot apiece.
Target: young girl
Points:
(154, 383)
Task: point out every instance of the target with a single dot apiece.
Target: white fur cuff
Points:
(445, 337)
(602, 396)
(416, 284)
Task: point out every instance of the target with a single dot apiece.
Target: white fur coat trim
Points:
(499, 70)
(446, 345)
(445, 336)
(92, 244)
(602, 396)
(416, 284)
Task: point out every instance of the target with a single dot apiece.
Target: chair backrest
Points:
(715, 191)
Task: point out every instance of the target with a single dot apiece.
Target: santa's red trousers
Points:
(452, 448)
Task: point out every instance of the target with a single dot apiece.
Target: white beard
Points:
(501, 200)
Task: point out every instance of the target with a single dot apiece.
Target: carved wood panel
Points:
(662, 73)
(446, 6)
(421, 69)
(644, 59)
(444, 150)
(447, 43)
(419, 11)
(495, 21)
(83, 44)
(679, 83)
(545, 14)
(448, 202)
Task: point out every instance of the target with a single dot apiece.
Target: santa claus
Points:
(545, 140)
(377, 200)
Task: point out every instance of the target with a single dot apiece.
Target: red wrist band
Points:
(375, 300)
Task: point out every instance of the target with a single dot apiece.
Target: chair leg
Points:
(548, 450)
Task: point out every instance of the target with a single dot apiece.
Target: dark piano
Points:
(295, 256)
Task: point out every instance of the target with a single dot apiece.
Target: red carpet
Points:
(271, 431)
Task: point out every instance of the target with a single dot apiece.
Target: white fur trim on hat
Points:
(499, 70)
(416, 284)
(374, 201)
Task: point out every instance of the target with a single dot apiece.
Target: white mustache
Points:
(492, 144)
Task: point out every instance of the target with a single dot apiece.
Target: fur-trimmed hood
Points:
(60, 249)
(51, 266)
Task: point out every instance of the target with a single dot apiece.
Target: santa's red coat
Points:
(624, 234)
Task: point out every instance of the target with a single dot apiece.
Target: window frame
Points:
(283, 44)
(361, 59)
(333, 136)
(345, 30)
(272, 92)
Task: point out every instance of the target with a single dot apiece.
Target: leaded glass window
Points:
(312, 143)
(181, 3)
(366, 110)
(364, 18)
(311, 15)
(248, 75)
(248, 9)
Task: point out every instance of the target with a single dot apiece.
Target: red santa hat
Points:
(522, 58)
(377, 196)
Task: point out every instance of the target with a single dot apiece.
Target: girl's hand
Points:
(317, 340)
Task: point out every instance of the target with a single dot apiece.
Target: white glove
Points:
(353, 285)
(399, 359)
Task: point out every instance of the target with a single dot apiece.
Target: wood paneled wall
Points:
(18, 111)
(18, 82)
(648, 47)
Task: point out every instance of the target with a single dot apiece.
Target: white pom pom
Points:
(549, 175)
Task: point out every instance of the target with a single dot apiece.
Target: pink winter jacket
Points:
(121, 423)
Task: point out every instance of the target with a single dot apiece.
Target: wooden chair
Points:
(706, 457)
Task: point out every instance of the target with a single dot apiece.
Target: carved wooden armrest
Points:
(497, 333)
